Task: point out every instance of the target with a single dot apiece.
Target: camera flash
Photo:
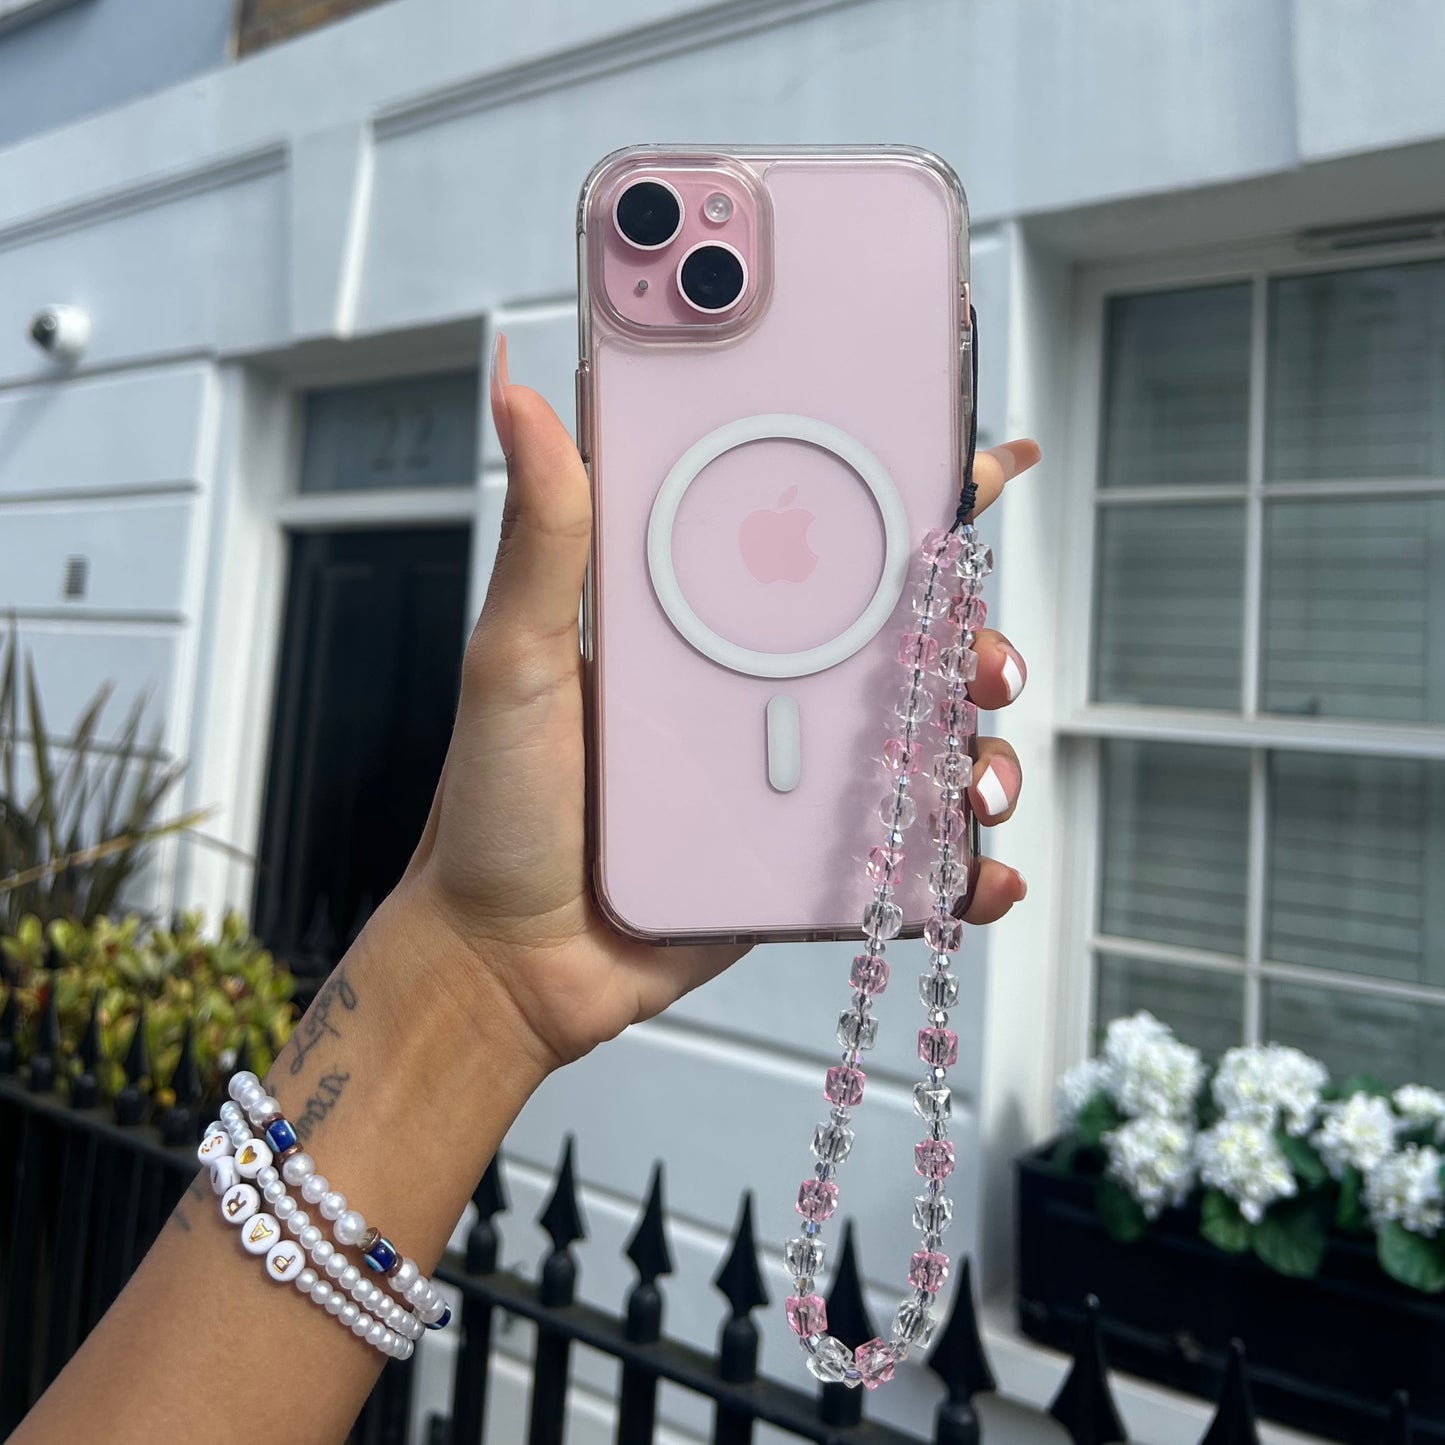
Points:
(718, 208)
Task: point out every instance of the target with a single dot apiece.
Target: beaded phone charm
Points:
(939, 661)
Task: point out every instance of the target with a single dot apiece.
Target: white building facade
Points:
(1227, 576)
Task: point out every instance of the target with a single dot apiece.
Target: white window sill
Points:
(1030, 1375)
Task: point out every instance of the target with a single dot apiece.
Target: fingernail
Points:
(997, 786)
(1014, 673)
(501, 414)
(1023, 884)
(1007, 461)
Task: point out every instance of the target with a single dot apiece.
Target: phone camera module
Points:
(648, 215)
(712, 277)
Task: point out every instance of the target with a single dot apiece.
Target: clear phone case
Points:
(761, 481)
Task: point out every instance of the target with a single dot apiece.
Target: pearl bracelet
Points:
(235, 1158)
(400, 1274)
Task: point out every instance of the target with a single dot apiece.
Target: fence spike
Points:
(179, 1125)
(1400, 1431)
(647, 1248)
(490, 1195)
(9, 1030)
(561, 1217)
(1234, 1422)
(85, 1092)
(958, 1357)
(130, 1102)
(739, 1278)
(1085, 1405)
(848, 1318)
(47, 1045)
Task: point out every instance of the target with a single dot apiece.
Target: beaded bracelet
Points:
(349, 1228)
(224, 1148)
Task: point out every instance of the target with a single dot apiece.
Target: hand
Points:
(502, 858)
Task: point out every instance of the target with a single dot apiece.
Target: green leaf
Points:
(1120, 1213)
(1222, 1224)
(1410, 1258)
(1096, 1119)
(1291, 1238)
(1350, 1209)
(1364, 1084)
(1306, 1163)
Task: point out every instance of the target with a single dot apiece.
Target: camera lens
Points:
(648, 215)
(712, 277)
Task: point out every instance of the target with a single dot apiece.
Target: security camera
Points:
(62, 331)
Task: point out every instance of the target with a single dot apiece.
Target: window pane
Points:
(420, 432)
(1173, 852)
(1176, 404)
(1204, 1008)
(1395, 1040)
(1356, 381)
(1354, 610)
(1169, 603)
(1356, 853)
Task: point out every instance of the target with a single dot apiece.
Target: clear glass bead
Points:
(953, 771)
(882, 920)
(958, 664)
(913, 1325)
(938, 1047)
(897, 812)
(933, 1102)
(869, 974)
(938, 990)
(932, 1213)
(857, 1031)
(900, 756)
(831, 1361)
(832, 1143)
(943, 935)
(803, 1257)
(917, 650)
(958, 717)
(948, 878)
(930, 602)
(883, 864)
(974, 561)
(914, 704)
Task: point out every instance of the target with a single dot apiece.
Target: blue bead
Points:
(280, 1135)
(445, 1320)
(381, 1256)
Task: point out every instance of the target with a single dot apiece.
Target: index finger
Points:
(999, 465)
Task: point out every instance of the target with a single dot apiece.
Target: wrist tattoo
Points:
(337, 996)
(323, 1102)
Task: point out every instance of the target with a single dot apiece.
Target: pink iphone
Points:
(773, 398)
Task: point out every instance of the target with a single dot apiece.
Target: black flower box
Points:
(1325, 1354)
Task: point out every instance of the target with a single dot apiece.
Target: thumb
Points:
(536, 585)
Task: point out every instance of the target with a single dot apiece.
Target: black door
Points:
(370, 665)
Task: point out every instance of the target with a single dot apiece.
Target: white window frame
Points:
(1083, 726)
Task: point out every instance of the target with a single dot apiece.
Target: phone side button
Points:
(584, 414)
(785, 743)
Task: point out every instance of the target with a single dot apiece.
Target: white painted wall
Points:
(380, 195)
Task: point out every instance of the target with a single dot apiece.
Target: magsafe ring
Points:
(785, 427)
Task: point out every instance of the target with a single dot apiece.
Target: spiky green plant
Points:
(227, 985)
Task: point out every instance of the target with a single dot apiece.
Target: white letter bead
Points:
(284, 1261)
(297, 1168)
(260, 1232)
(239, 1203)
(213, 1146)
(223, 1173)
(252, 1157)
(314, 1188)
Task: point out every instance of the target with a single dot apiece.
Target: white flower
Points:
(1241, 1159)
(1076, 1088)
(1406, 1187)
(1154, 1160)
(1271, 1085)
(1421, 1108)
(1359, 1132)
(1152, 1072)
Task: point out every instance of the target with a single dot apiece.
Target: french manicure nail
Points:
(997, 787)
(1014, 675)
(501, 413)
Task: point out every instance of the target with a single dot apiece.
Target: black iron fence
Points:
(84, 1190)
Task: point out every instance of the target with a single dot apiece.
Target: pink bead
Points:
(844, 1085)
(808, 1315)
(967, 612)
(918, 649)
(957, 716)
(948, 825)
(943, 935)
(875, 1362)
(938, 1047)
(900, 756)
(869, 973)
(933, 1158)
(927, 1270)
(941, 547)
(883, 865)
(817, 1199)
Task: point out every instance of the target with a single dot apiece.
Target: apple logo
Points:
(774, 543)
